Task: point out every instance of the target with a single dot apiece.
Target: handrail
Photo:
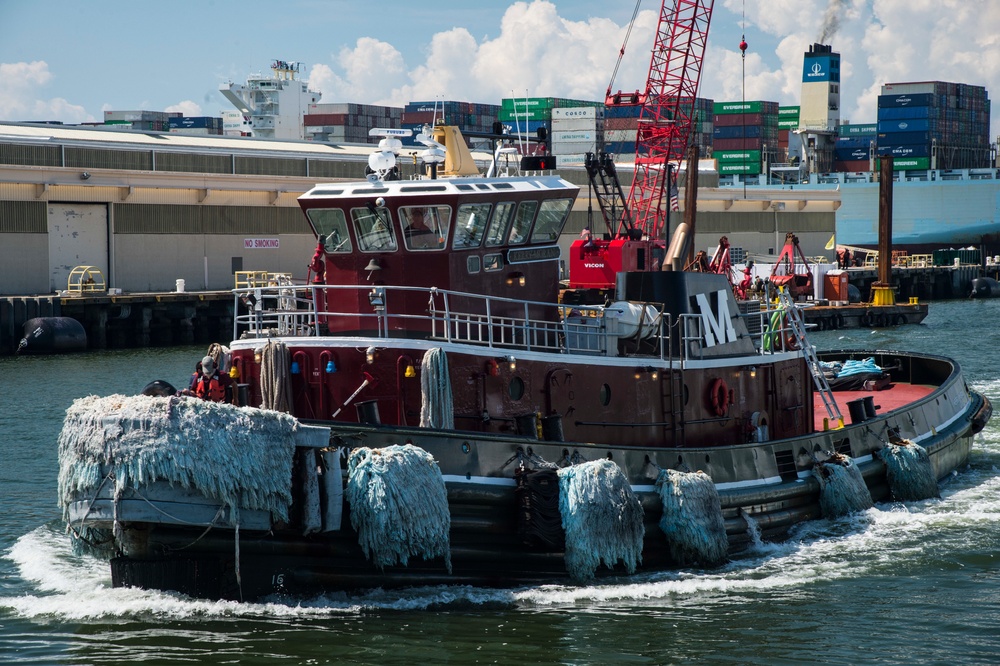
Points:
(494, 322)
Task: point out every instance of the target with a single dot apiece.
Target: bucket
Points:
(368, 412)
(857, 410)
(180, 285)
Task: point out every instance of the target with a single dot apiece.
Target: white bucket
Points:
(180, 286)
(958, 262)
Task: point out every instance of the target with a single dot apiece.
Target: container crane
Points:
(637, 226)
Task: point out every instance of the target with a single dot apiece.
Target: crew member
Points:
(213, 385)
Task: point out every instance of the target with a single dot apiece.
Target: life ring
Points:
(718, 396)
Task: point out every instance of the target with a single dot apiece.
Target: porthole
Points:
(605, 395)
(515, 389)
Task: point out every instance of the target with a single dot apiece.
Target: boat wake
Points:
(889, 539)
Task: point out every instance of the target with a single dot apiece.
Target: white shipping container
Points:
(573, 147)
(571, 159)
(621, 135)
(576, 136)
(577, 124)
(578, 112)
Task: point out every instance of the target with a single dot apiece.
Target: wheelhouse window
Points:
(331, 223)
(425, 227)
(551, 217)
(497, 231)
(470, 225)
(373, 227)
(522, 222)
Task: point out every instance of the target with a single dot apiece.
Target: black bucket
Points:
(858, 412)
(243, 395)
(527, 425)
(552, 429)
(870, 407)
(368, 412)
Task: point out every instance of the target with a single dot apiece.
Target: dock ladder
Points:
(798, 329)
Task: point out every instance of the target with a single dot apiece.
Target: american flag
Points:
(675, 204)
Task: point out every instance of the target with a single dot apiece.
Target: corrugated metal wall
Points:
(159, 219)
(23, 217)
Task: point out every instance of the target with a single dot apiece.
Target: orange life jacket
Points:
(210, 388)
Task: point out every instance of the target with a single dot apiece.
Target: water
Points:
(898, 584)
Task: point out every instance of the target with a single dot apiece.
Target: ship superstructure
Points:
(274, 104)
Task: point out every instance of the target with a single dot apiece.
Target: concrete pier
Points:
(127, 320)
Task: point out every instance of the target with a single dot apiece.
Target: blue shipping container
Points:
(904, 138)
(917, 150)
(909, 125)
(920, 99)
(622, 112)
(530, 126)
(853, 142)
(906, 112)
(850, 154)
(737, 132)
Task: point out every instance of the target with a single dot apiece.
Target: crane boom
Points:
(668, 105)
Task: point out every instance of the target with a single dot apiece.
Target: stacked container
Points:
(745, 135)
(621, 127)
(146, 121)
(531, 117)
(788, 121)
(576, 131)
(934, 125)
(467, 116)
(195, 125)
(852, 150)
(349, 122)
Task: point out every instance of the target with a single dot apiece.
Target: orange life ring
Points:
(718, 396)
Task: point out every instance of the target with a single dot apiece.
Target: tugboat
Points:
(424, 411)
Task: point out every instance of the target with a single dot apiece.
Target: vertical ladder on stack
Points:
(798, 329)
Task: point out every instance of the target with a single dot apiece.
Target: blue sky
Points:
(70, 60)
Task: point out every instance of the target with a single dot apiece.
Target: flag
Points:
(833, 242)
(675, 204)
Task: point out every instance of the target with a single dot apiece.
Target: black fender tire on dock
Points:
(821, 323)
(879, 320)
(838, 321)
(900, 320)
(865, 321)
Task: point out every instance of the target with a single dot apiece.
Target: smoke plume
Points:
(831, 21)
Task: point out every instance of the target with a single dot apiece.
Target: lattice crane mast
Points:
(637, 225)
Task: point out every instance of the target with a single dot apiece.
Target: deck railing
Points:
(501, 323)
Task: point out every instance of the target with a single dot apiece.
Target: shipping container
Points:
(789, 111)
(913, 150)
(906, 112)
(747, 168)
(860, 129)
(851, 166)
(737, 155)
(621, 135)
(577, 124)
(578, 113)
(621, 123)
(909, 164)
(738, 144)
(854, 142)
(907, 99)
(788, 124)
(911, 125)
(903, 138)
(750, 131)
(722, 108)
(571, 147)
(734, 119)
(850, 154)
(622, 112)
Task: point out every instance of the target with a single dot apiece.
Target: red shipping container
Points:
(737, 144)
(621, 123)
(419, 116)
(319, 119)
(737, 119)
(851, 165)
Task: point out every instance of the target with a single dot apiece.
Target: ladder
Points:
(798, 329)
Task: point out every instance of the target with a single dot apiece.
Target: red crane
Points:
(637, 226)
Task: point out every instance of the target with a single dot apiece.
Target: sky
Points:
(70, 61)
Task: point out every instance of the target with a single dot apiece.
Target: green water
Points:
(900, 584)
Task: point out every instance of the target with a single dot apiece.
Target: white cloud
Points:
(20, 86)
(187, 107)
